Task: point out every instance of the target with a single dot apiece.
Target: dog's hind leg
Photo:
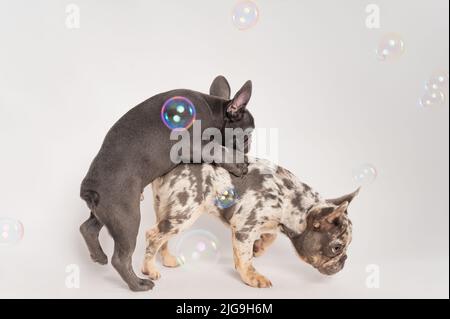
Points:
(168, 260)
(90, 230)
(121, 215)
(155, 238)
(124, 234)
(159, 235)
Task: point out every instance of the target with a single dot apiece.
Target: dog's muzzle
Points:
(333, 266)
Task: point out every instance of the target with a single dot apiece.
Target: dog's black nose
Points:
(343, 258)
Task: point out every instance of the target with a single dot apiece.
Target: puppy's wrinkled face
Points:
(238, 121)
(238, 131)
(324, 243)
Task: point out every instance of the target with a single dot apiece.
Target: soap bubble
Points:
(365, 174)
(438, 81)
(197, 247)
(226, 199)
(245, 14)
(432, 99)
(391, 47)
(178, 113)
(11, 231)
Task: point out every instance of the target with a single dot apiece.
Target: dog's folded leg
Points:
(232, 160)
(262, 244)
(243, 257)
(90, 230)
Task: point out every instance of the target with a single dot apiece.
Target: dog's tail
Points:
(90, 196)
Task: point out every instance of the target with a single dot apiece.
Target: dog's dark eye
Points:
(336, 249)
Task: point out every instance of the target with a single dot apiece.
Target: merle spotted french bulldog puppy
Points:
(319, 229)
(135, 152)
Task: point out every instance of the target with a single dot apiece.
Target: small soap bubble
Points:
(365, 174)
(437, 82)
(201, 246)
(197, 247)
(391, 47)
(226, 199)
(432, 99)
(178, 113)
(11, 231)
(195, 256)
(245, 14)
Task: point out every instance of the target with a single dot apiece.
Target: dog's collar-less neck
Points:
(290, 233)
(293, 233)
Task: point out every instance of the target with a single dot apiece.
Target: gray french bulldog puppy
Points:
(262, 205)
(135, 152)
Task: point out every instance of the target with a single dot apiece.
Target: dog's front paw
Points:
(170, 261)
(237, 169)
(150, 270)
(154, 274)
(257, 281)
(102, 259)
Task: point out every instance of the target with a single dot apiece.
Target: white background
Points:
(316, 79)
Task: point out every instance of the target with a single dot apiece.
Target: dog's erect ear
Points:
(240, 100)
(338, 212)
(220, 88)
(346, 198)
(328, 214)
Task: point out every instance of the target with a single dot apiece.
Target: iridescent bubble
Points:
(432, 99)
(226, 199)
(391, 47)
(201, 246)
(11, 231)
(197, 247)
(178, 112)
(438, 81)
(195, 256)
(245, 14)
(365, 174)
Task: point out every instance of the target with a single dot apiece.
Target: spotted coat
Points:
(269, 199)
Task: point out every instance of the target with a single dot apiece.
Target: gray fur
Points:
(135, 152)
(220, 88)
(183, 197)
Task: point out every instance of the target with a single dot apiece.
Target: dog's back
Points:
(265, 189)
(136, 149)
